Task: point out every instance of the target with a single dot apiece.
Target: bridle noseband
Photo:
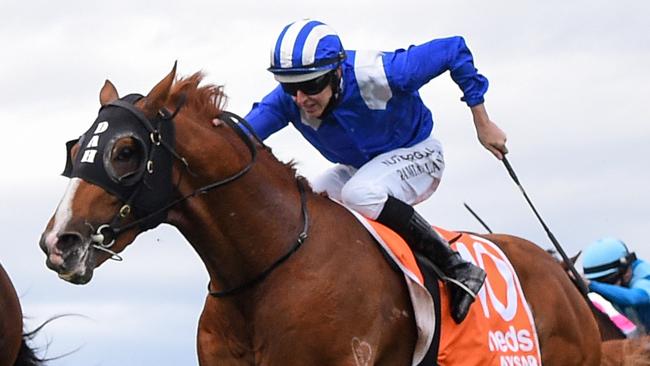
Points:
(161, 138)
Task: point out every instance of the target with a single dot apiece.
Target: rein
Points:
(111, 232)
(233, 121)
(297, 244)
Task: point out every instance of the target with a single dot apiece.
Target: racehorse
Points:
(616, 349)
(295, 279)
(14, 350)
(608, 330)
(626, 352)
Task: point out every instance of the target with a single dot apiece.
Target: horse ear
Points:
(575, 257)
(157, 97)
(108, 93)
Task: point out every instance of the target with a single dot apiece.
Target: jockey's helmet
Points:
(606, 257)
(305, 50)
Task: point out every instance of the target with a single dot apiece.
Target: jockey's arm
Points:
(620, 295)
(489, 134)
(269, 115)
(411, 69)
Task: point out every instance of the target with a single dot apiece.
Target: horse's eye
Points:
(127, 159)
(124, 154)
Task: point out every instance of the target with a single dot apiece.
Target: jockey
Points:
(362, 111)
(615, 273)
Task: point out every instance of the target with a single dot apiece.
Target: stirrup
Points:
(453, 281)
(461, 285)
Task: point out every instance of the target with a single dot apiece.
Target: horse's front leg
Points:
(217, 341)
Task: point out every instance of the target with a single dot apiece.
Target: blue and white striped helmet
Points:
(305, 50)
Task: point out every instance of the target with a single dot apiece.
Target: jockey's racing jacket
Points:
(379, 108)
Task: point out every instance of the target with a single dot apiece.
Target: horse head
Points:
(120, 172)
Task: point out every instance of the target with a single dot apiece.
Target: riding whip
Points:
(477, 217)
(579, 282)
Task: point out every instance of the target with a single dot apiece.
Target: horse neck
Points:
(241, 228)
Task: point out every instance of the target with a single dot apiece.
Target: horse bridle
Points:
(106, 234)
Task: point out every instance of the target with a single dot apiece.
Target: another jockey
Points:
(362, 111)
(615, 273)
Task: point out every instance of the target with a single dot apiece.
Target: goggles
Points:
(611, 279)
(309, 87)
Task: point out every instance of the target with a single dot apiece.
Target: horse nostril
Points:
(69, 240)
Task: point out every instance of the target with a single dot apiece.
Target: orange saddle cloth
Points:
(499, 329)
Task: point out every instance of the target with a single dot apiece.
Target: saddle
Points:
(499, 329)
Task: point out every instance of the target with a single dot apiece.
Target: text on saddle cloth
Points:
(499, 330)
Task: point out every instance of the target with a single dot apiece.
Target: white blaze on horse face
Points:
(63, 214)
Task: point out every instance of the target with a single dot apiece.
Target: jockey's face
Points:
(626, 277)
(313, 105)
(313, 96)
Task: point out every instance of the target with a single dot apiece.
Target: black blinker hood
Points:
(149, 188)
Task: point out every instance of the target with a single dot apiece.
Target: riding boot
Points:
(463, 278)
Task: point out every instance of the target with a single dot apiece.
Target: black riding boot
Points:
(466, 279)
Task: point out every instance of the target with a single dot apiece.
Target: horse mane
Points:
(209, 100)
(205, 100)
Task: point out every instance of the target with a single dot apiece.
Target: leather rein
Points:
(109, 232)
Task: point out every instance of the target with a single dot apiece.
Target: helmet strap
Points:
(335, 84)
(630, 257)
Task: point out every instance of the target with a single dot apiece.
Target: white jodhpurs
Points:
(410, 174)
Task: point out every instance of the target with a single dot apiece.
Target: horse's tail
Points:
(27, 355)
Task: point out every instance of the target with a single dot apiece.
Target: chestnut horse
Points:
(14, 350)
(295, 279)
(626, 352)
